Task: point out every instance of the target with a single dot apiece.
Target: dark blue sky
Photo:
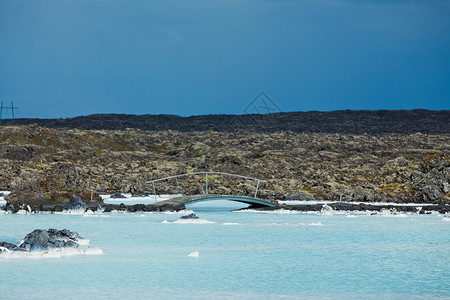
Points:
(78, 57)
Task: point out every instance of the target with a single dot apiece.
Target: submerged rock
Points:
(191, 216)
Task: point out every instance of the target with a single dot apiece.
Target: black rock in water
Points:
(117, 196)
(191, 216)
(140, 195)
(8, 246)
(11, 209)
(40, 240)
(75, 203)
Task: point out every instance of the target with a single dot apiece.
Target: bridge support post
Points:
(257, 186)
(206, 183)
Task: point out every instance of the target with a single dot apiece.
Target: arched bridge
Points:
(184, 200)
(189, 199)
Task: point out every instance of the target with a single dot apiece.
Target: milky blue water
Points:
(241, 256)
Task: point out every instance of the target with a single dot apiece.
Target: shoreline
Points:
(148, 204)
(328, 207)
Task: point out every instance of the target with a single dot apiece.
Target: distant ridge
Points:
(343, 121)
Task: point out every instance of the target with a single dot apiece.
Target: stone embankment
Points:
(43, 166)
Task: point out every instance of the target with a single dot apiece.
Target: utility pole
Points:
(12, 112)
(12, 108)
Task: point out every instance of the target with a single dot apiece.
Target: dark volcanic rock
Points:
(136, 207)
(9, 246)
(118, 196)
(301, 196)
(167, 207)
(344, 121)
(41, 240)
(151, 208)
(10, 208)
(180, 207)
(75, 203)
(109, 208)
(58, 208)
(191, 216)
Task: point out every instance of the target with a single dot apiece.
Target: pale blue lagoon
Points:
(241, 255)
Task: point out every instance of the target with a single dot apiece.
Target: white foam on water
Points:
(188, 221)
(231, 224)
(2, 198)
(180, 212)
(20, 254)
(306, 202)
(315, 224)
(3, 249)
(193, 221)
(52, 253)
(317, 202)
(194, 254)
(392, 214)
(83, 242)
(326, 210)
(100, 215)
(60, 252)
(446, 219)
(277, 211)
(93, 251)
(129, 200)
(74, 212)
(275, 224)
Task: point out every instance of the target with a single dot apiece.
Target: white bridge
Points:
(187, 199)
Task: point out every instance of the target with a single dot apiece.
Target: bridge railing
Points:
(206, 181)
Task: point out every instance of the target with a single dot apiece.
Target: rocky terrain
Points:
(46, 166)
(344, 122)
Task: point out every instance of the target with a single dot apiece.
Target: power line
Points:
(12, 108)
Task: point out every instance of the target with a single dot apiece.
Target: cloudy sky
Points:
(62, 58)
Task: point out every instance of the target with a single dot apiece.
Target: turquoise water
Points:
(242, 255)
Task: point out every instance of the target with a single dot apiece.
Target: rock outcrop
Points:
(190, 216)
(6, 247)
(75, 204)
(44, 240)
